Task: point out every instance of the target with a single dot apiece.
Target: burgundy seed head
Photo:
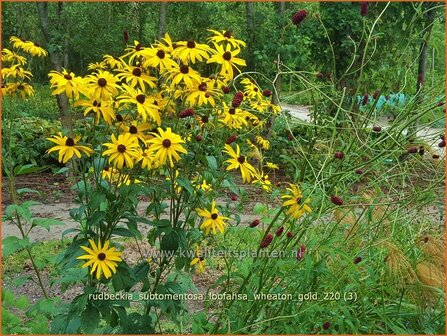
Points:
(199, 138)
(231, 139)
(267, 240)
(266, 93)
(289, 234)
(336, 200)
(377, 128)
(226, 90)
(365, 99)
(364, 8)
(326, 325)
(440, 104)
(376, 94)
(359, 171)
(412, 150)
(357, 260)
(126, 37)
(441, 144)
(255, 223)
(339, 155)
(300, 252)
(69, 142)
(279, 231)
(234, 198)
(186, 113)
(421, 78)
(299, 16)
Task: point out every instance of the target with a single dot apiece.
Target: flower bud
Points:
(300, 253)
(226, 90)
(365, 99)
(412, 150)
(266, 93)
(255, 223)
(339, 155)
(377, 128)
(289, 234)
(359, 171)
(231, 139)
(299, 16)
(326, 325)
(441, 144)
(234, 198)
(186, 113)
(357, 260)
(376, 94)
(199, 138)
(279, 231)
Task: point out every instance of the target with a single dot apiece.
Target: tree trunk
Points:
(56, 59)
(250, 13)
(162, 20)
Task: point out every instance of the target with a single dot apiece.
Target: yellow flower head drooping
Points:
(9, 56)
(117, 177)
(97, 66)
(114, 62)
(165, 44)
(239, 161)
(103, 85)
(18, 43)
(227, 58)
(166, 145)
(293, 200)
(263, 180)
(66, 82)
(271, 165)
(29, 47)
(102, 109)
(191, 51)
(16, 72)
(142, 102)
(23, 89)
(101, 259)
(225, 36)
(68, 147)
(199, 261)
(264, 143)
(136, 77)
(122, 151)
(135, 52)
(213, 221)
(184, 74)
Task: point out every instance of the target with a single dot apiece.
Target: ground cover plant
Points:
(199, 204)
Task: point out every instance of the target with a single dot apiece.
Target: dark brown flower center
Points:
(161, 54)
(138, 47)
(228, 34)
(203, 87)
(140, 98)
(68, 77)
(214, 216)
(69, 142)
(241, 159)
(102, 82)
(166, 143)
(36, 44)
(232, 111)
(136, 72)
(184, 69)
(207, 95)
(119, 117)
(133, 130)
(226, 56)
(191, 44)
(121, 148)
(102, 256)
(144, 154)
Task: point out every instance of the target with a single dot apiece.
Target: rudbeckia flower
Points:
(114, 62)
(227, 58)
(12, 57)
(263, 180)
(16, 71)
(202, 93)
(166, 145)
(102, 109)
(191, 51)
(114, 175)
(239, 161)
(101, 259)
(264, 143)
(158, 58)
(122, 150)
(225, 36)
(199, 261)
(135, 76)
(146, 159)
(297, 208)
(143, 103)
(68, 147)
(184, 74)
(66, 82)
(23, 89)
(103, 85)
(166, 43)
(213, 221)
(135, 52)
(233, 118)
(271, 165)
(137, 129)
(18, 43)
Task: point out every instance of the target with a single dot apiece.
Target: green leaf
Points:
(22, 191)
(212, 162)
(186, 184)
(27, 169)
(62, 170)
(122, 279)
(13, 244)
(169, 242)
(90, 319)
(46, 222)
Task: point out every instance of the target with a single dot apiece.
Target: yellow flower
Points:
(16, 71)
(113, 175)
(166, 43)
(202, 93)
(135, 76)
(102, 109)
(103, 85)
(18, 43)
(166, 144)
(213, 221)
(122, 150)
(191, 51)
(146, 159)
(271, 165)
(158, 58)
(66, 82)
(294, 201)
(234, 118)
(102, 259)
(239, 161)
(23, 89)
(264, 143)
(184, 74)
(97, 66)
(114, 62)
(144, 105)
(136, 129)
(199, 261)
(67, 147)
(227, 58)
(264, 181)
(34, 49)
(135, 51)
(225, 36)
(12, 57)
